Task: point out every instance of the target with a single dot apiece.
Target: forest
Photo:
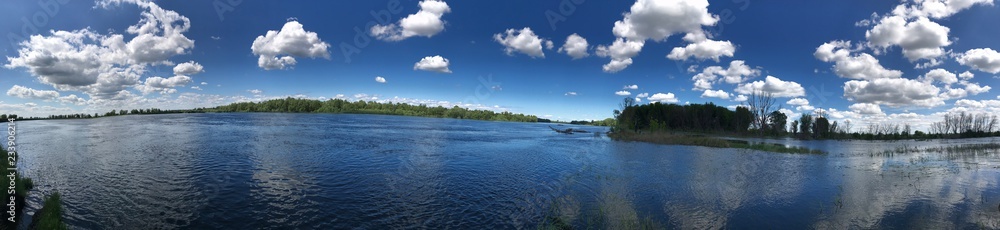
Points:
(296, 105)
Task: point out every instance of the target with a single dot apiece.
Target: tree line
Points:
(297, 105)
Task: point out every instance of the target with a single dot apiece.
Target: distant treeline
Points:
(692, 117)
(3, 117)
(296, 105)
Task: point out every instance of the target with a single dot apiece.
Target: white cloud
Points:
(105, 66)
(654, 20)
(632, 87)
(621, 52)
(523, 41)
(642, 95)
(974, 88)
(434, 64)
(940, 75)
(866, 109)
(920, 39)
(985, 59)
(258, 92)
(72, 99)
(659, 19)
(702, 48)
(623, 93)
(188, 68)
(966, 75)
(773, 85)
(893, 92)
(663, 98)
(741, 98)
(570, 94)
(937, 9)
(29, 93)
(278, 49)
(716, 94)
(861, 66)
(196, 87)
(575, 46)
(798, 102)
(379, 79)
(738, 72)
(163, 85)
(426, 22)
(204, 83)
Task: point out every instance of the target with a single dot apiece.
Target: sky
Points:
(904, 62)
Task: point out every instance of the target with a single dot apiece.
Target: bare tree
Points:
(761, 106)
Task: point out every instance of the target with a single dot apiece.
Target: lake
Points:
(339, 171)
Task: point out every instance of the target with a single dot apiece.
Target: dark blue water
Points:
(323, 171)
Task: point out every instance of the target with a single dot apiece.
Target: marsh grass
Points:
(707, 141)
(50, 216)
(964, 149)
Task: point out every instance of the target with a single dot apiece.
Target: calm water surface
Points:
(246, 171)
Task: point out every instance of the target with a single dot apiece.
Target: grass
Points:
(706, 141)
(951, 149)
(50, 216)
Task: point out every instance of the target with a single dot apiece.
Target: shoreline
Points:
(665, 138)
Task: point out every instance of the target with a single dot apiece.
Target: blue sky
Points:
(865, 61)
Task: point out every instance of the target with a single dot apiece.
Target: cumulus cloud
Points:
(379, 79)
(893, 92)
(163, 85)
(29, 93)
(426, 23)
(937, 9)
(866, 109)
(741, 98)
(663, 98)
(434, 64)
(985, 59)
(105, 66)
(623, 93)
(920, 38)
(523, 41)
(255, 91)
(72, 99)
(642, 95)
(716, 94)
(940, 75)
(188, 68)
(575, 46)
(862, 66)
(774, 86)
(657, 20)
(736, 73)
(632, 87)
(702, 48)
(797, 102)
(621, 52)
(278, 49)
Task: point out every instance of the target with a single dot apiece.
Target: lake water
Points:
(324, 171)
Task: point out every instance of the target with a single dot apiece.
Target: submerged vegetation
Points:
(295, 105)
(707, 141)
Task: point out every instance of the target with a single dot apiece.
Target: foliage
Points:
(50, 216)
(692, 117)
(296, 105)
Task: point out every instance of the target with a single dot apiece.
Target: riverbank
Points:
(49, 217)
(668, 138)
